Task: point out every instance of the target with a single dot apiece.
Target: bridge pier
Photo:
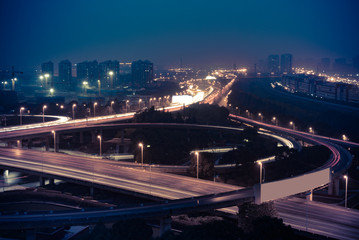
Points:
(51, 181)
(333, 187)
(42, 181)
(29, 143)
(30, 234)
(309, 197)
(47, 144)
(57, 145)
(81, 137)
(91, 191)
(165, 224)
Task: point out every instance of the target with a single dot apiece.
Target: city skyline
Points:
(198, 32)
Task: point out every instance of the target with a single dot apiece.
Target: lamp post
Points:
(111, 79)
(73, 110)
(53, 132)
(261, 116)
(84, 85)
(197, 155)
(21, 109)
(100, 139)
(260, 172)
(4, 83)
(292, 124)
(43, 113)
(346, 190)
(345, 138)
(311, 130)
(127, 102)
(112, 102)
(41, 80)
(99, 87)
(141, 146)
(139, 103)
(46, 77)
(94, 109)
(275, 120)
(247, 112)
(13, 80)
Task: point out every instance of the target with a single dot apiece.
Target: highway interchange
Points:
(99, 171)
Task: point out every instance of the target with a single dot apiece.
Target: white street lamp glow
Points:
(197, 154)
(43, 113)
(100, 139)
(346, 190)
(141, 146)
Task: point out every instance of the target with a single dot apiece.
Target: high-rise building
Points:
(65, 75)
(273, 64)
(142, 73)
(286, 63)
(87, 71)
(109, 73)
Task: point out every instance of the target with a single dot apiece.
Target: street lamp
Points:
(13, 80)
(112, 102)
(46, 77)
(311, 130)
(100, 139)
(345, 138)
(41, 79)
(346, 190)
(52, 91)
(247, 112)
(84, 85)
(292, 124)
(139, 103)
(141, 146)
(94, 109)
(197, 154)
(43, 113)
(53, 132)
(275, 120)
(99, 87)
(21, 109)
(111, 78)
(127, 102)
(73, 110)
(5, 82)
(260, 115)
(260, 172)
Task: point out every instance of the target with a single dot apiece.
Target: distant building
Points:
(87, 71)
(340, 65)
(142, 73)
(356, 64)
(109, 72)
(286, 63)
(273, 64)
(65, 75)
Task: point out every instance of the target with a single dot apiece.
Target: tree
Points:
(268, 228)
(248, 212)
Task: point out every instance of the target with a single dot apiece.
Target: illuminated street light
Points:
(197, 154)
(111, 79)
(345, 138)
(247, 112)
(84, 85)
(94, 109)
(21, 109)
(4, 83)
(261, 116)
(141, 146)
(100, 139)
(275, 120)
(311, 130)
(43, 113)
(13, 80)
(260, 172)
(73, 110)
(46, 77)
(127, 102)
(112, 102)
(99, 87)
(52, 91)
(139, 103)
(292, 124)
(53, 132)
(41, 79)
(346, 190)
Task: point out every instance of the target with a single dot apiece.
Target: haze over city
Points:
(201, 32)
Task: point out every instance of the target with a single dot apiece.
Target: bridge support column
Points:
(51, 181)
(310, 196)
(333, 187)
(165, 225)
(47, 144)
(42, 181)
(57, 145)
(29, 143)
(81, 137)
(30, 234)
(93, 137)
(91, 191)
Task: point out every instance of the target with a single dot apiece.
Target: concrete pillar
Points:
(51, 181)
(47, 144)
(29, 143)
(30, 234)
(310, 196)
(93, 137)
(117, 148)
(57, 147)
(42, 181)
(91, 191)
(81, 137)
(336, 186)
(165, 225)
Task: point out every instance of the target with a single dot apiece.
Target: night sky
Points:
(207, 32)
